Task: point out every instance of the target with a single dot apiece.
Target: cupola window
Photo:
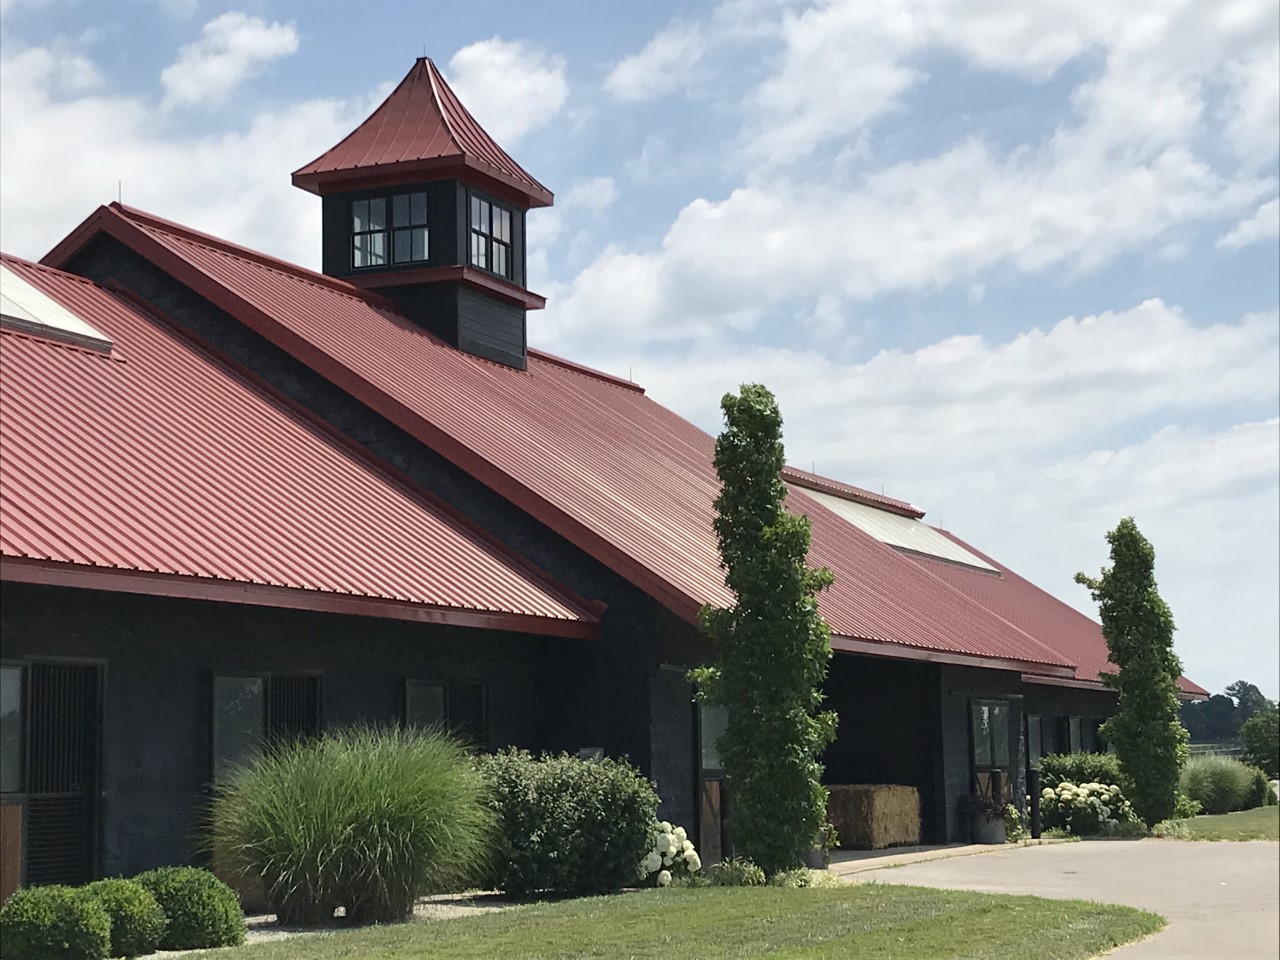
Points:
(375, 242)
(490, 236)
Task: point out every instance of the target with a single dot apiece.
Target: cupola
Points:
(423, 206)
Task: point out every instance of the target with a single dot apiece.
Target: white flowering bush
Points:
(1086, 809)
(672, 857)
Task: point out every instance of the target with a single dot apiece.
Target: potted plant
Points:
(986, 817)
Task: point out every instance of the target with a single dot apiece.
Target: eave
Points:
(148, 583)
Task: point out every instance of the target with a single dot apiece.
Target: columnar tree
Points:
(1149, 740)
(772, 645)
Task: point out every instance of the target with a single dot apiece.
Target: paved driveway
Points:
(1222, 900)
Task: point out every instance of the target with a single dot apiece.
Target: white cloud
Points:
(1253, 107)
(232, 49)
(911, 226)
(1263, 225)
(664, 64)
(510, 87)
(201, 180)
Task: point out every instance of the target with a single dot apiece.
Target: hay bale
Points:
(874, 816)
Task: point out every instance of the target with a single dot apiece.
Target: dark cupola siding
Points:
(421, 205)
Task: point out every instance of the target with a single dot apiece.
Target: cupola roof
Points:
(420, 132)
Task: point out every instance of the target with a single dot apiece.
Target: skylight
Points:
(24, 307)
(906, 533)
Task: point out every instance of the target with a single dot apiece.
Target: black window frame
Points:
(391, 228)
(453, 703)
(1035, 744)
(271, 733)
(23, 726)
(480, 234)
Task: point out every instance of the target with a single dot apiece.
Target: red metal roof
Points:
(625, 479)
(165, 469)
(421, 131)
(1065, 630)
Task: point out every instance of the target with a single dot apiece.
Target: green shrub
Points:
(1221, 784)
(1260, 735)
(1086, 809)
(1184, 808)
(1259, 787)
(202, 910)
(736, 872)
(137, 922)
(797, 879)
(54, 923)
(568, 825)
(362, 818)
(1056, 768)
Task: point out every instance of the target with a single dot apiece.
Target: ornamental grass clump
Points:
(363, 818)
(1087, 809)
(673, 857)
(1223, 784)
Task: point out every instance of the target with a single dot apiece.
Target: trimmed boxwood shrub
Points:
(1056, 768)
(1223, 784)
(202, 910)
(362, 818)
(568, 825)
(54, 923)
(137, 922)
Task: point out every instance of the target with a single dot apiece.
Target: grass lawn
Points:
(860, 922)
(1260, 823)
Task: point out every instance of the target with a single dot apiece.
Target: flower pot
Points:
(815, 858)
(988, 831)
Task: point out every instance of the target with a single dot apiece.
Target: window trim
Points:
(24, 732)
(447, 687)
(265, 676)
(389, 229)
(477, 196)
(973, 740)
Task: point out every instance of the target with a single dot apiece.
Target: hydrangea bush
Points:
(1086, 809)
(672, 857)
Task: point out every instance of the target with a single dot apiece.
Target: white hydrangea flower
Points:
(652, 862)
(665, 826)
(679, 834)
(664, 878)
(693, 862)
(666, 859)
(664, 843)
(686, 847)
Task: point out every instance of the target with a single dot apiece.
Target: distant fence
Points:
(1217, 750)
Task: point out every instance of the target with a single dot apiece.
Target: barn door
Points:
(63, 712)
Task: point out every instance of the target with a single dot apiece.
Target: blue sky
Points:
(1016, 263)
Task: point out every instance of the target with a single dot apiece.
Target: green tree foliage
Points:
(1260, 735)
(1215, 720)
(1149, 739)
(772, 645)
(1249, 699)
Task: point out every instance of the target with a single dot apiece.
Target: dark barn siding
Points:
(160, 657)
(603, 691)
(1052, 703)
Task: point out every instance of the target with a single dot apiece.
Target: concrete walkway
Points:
(1222, 900)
